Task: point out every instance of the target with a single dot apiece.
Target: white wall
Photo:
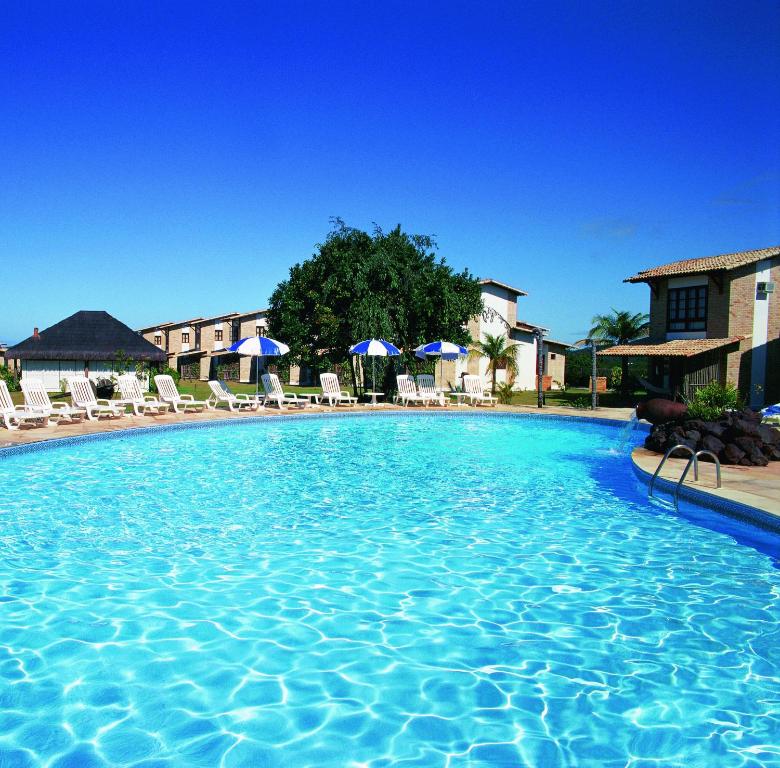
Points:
(51, 371)
(526, 360)
(499, 300)
(54, 371)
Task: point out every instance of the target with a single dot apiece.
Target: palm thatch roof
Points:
(86, 336)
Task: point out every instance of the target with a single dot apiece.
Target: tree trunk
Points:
(493, 391)
(624, 388)
(353, 374)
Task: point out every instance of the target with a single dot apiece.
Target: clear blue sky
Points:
(161, 160)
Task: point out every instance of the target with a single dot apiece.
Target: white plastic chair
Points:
(332, 391)
(130, 390)
(166, 389)
(476, 392)
(15, 415)
(275, 394)
(82, 396)
(37, 398)
(426, 386)
(407, 391)
(235, 402)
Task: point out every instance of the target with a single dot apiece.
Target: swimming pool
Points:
(397, 590)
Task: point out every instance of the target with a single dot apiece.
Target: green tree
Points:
(381, 285)
(617, 328)
(500, 354)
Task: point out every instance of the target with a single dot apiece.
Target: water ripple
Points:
(368, 593)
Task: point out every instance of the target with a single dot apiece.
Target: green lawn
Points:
(573, 397)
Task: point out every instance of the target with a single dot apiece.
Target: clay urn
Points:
(659, 411)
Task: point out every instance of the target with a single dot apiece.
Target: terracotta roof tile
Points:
(675, 348)
(724, 262)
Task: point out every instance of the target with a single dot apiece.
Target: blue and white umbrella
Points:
(374, 348)
(446, 349)
(259, 346)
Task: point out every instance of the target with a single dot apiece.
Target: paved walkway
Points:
(756, 486)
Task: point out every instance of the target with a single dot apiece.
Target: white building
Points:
(499, 318)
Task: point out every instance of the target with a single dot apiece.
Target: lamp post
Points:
(594, 394)
(539, 368)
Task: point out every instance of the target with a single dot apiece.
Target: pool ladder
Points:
(694, 459)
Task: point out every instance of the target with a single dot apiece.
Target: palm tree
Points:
(500, 354)
(617, 328)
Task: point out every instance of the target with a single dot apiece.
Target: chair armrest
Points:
(150, 399)
(186, 397)
(59, 405)
(244, 396)
(103, 401)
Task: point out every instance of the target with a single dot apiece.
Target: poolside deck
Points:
(756, 486)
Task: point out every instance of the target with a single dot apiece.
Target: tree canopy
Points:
(619, 327)
(382, 285)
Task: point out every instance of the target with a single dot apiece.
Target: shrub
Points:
(504, 393)
(712, 401)
(9, 377)
(172, 372)
(615, 377)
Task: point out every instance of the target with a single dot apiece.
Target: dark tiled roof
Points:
(86, 336)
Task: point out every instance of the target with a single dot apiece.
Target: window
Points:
(218, 335)
(185, 337)
(258, 330)
(158, 340)
(687, 309)
(552, 355)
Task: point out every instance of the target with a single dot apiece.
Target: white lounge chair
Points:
(771, 415)
(475, 391)
(166, 389)
(130, 390)
(407, 391)
(82, 396)
(276, 395)
(426, 386)
(37, 398)
(15, 415)
(220, 393)
(332, 391)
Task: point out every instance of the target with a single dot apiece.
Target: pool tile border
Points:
(728, 507)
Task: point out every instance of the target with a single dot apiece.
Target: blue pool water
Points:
(380, 591)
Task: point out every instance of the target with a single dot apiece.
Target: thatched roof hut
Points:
(86, 336)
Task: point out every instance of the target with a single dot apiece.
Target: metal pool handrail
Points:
(694, 458)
